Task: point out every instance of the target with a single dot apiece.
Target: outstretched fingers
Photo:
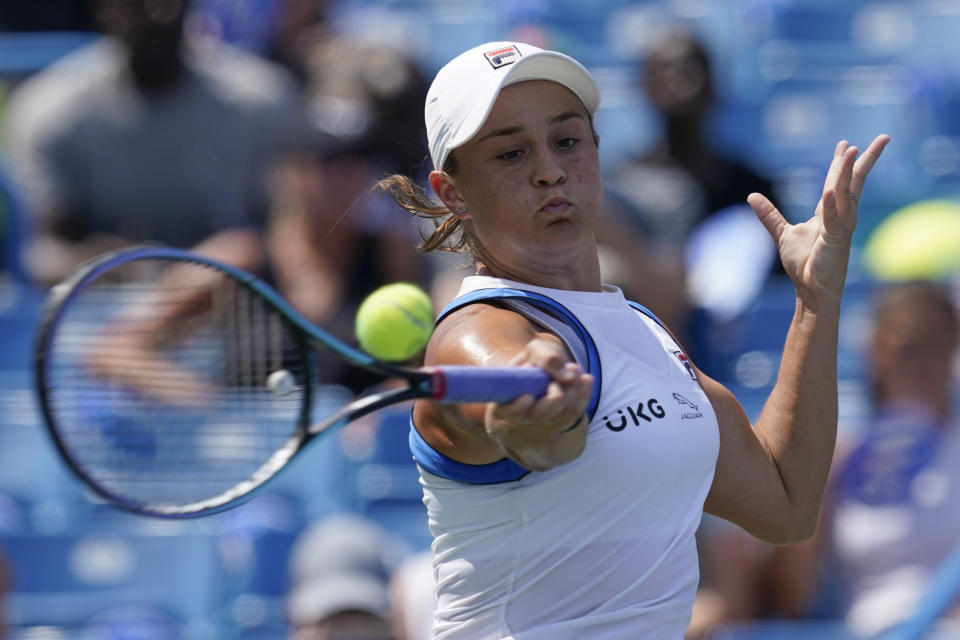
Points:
(838, 206)
(836, 164)
(865, 163)
(769, 215)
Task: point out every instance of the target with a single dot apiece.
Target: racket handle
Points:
(453, 383)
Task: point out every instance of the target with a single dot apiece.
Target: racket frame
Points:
(422, 383)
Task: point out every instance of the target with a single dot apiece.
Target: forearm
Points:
(798, 424)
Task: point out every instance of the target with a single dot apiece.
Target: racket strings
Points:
(158, 384)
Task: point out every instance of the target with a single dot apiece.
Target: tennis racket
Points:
(175, 386)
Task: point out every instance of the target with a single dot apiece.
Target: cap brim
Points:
(314, 601)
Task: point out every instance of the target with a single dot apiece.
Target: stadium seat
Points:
(24, 53)
(13, 225)
(384, 483)
(29, 466)
(67, 579)
(253, 543)
(781, 630)
(20, 309)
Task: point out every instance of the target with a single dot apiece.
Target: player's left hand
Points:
(815, 252)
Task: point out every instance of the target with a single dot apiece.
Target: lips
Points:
(555, 205)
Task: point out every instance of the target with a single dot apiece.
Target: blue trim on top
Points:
(550, 305)
(642, 309)
(504, 470)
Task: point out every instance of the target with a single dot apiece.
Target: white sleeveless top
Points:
(602, 547)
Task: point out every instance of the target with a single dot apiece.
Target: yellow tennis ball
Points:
(395, 322)
(918, 241)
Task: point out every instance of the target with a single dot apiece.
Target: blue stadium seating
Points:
(14, 225)
(66, 579)
(383, 483)
(782, 630)
(254, 543)
(20, 307)
(23, 53)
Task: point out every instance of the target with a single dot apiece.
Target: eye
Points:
(567, 143)
(513, 154)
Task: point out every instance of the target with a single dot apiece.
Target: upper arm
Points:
(480, 335)
(747, 488)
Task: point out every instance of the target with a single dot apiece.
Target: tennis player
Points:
(573, 515)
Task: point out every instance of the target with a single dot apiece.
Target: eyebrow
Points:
(509, 131)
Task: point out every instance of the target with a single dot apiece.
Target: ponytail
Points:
(449, 232)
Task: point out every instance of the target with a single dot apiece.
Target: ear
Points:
(446, 189)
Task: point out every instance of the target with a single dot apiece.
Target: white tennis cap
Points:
(464, 90)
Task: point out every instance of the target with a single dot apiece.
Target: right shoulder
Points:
(476, 333)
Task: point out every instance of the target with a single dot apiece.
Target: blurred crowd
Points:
(254, 131)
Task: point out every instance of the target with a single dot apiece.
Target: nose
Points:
(548, 171)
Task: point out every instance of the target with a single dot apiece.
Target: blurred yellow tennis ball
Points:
(919, 241)
(394, 322)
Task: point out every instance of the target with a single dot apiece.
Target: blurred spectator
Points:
(682, 180)
(891, 515)
(279, 30)
(331, 243)
(894, 511)
(331, 240)
(140, 137)
(340, 571)
(412, 598)
(370, 96)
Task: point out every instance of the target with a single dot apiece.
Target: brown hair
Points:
(449, 234)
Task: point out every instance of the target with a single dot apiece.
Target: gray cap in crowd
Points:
(342, 563)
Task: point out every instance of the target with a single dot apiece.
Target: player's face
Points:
(530, 180)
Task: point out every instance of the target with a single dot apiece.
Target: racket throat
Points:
(437, 383)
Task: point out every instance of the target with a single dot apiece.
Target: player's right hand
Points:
(541, 433)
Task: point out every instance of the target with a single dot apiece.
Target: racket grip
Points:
(453, 383)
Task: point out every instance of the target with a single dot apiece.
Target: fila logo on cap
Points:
(502, 57)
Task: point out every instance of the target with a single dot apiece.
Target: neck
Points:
(583, 276)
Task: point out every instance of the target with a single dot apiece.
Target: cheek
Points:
(492, 195)
(585, 174)
(585, 166)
